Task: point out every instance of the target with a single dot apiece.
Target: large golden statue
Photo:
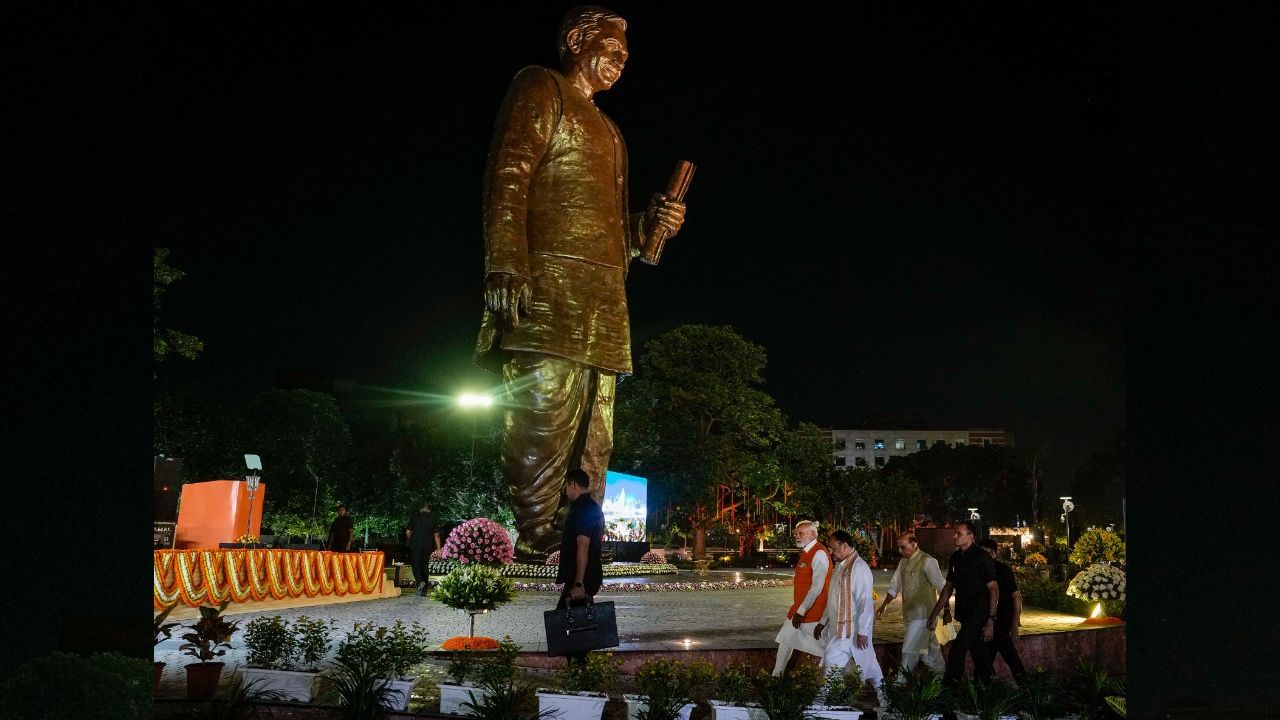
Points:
(558, 242)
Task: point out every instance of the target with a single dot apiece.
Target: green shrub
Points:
(498, 667)
(786, 697)
(269, 643)
(1045, 696)
(1097, 546)
(733, 684)
(599, 674)
(312, 639)
(391, 652)
(989, 700)
(914, 695)
(61, 685)
(665, 686)
(474, 587)
(843, 686)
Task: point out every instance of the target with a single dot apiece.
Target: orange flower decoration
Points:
(470, 643)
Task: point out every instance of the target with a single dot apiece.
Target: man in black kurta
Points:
(341, 532)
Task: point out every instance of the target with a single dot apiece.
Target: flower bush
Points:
(436, 555)
(474, 587)
(1033, 548)
(654, 556)
(553, 558)
(1097, 546)
(388, 652)
(1036, 560)
(1099, 581)
(479, 541)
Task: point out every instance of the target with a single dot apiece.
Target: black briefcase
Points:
(592, 626)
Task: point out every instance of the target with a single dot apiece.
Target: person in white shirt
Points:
(918, 580)
(809, 598)
(849, 619)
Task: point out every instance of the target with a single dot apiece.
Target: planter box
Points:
(725, 711)
(453, 696)
(292, 686)
(400, 691)
(832, 713)
(886, 715)
(636, 703)
(967, 716)
(587, 706)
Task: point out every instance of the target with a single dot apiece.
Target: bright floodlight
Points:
(473, 400)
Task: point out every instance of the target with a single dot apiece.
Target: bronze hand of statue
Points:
(507, 295)
(665, 213)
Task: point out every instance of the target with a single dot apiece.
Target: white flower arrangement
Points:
(1099, 581)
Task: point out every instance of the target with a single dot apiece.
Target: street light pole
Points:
(471, 401)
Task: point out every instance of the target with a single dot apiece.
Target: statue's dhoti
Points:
(558, 416)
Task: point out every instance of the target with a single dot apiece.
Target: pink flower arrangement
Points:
(654, 557)
(479, 540)
(553, 558)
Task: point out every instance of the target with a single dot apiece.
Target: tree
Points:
(205, 435)
(952, 479)
(166, 341)
(1098, 486)
(694, 421)
(302, 440)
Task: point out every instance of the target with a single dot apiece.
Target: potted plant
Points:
(388, 652)
(163, 631)
(582, 690)
(475, 589)
(994, 699)
(789, 696)
(1044, 696)
(472, 674)
(838, 696)
(354, 685)
(1090, 689)
(735, 695)
(913, 695)
(506, 700)
(209, 638)
(282, 657)
(666, 691)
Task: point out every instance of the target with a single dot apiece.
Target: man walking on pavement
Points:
(848, 623)
(580, 569)
(809, 598)
(918, 580)
(423, 539)
(971, 576)
(1008, 616)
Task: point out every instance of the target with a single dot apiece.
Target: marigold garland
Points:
(469, 643)
(196, 577)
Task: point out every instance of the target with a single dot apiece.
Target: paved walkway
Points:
(647, 621)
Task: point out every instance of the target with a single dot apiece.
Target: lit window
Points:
(860, 462)
(879, 461)
(899, 444)
(921, 444)
(880, 444)
(859, 444)
(840, 461)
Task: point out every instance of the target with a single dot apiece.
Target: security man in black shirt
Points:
(423, 539)
(971, 576)
(580, 568)
(1008, 615)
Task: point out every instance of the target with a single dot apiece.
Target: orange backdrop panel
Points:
(215, 512)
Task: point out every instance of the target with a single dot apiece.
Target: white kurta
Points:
(918, 580)
(801, 638)
(842, 648)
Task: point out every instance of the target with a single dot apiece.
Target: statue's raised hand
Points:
(508, 296)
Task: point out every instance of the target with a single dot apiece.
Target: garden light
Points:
(469, 400)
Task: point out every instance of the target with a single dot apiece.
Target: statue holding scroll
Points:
(558, 242)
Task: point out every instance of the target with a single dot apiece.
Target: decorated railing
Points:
(211, 577)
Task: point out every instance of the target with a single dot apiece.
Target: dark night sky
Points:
(917, 214)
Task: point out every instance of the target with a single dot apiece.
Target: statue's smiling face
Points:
(604, 56)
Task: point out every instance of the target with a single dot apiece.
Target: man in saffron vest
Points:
(918, 580)
(809, 598)
(849, 619)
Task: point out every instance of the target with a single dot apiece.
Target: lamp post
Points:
(1067, 507)
(252, 462)
(471, 401)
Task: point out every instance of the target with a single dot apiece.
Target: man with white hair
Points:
(809, 598)
(918, 580)
(848, 623)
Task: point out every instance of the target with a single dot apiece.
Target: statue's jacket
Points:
(555, 212)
